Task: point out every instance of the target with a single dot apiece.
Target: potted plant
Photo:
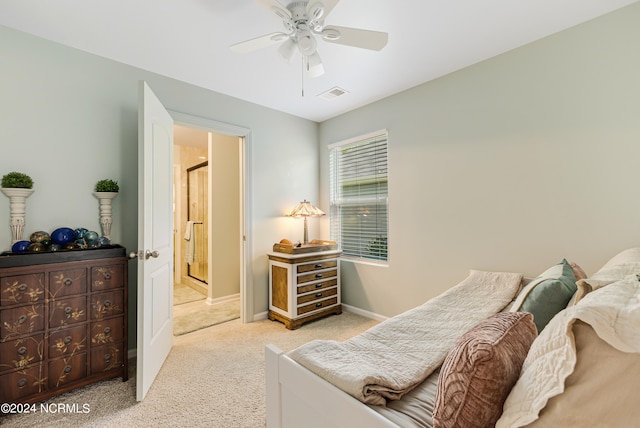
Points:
(105, 191)
(18, 187)
(107, 185)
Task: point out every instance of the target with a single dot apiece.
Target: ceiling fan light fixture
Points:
(306, 42)
(287, 49)
(331, 34)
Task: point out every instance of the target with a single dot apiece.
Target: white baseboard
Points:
(223, 299)
(362, 312)
(261, 316)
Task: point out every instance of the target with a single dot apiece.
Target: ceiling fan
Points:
(302, 21)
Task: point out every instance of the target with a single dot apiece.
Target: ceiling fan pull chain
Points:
(302, 77)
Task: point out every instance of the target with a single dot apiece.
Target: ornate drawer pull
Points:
(22, 319)
(319, 285)
(68, 310)
(319, 305)
(22, 383)
(318, 294)
(107, 357)
(22, 350)
(107, 330)
(22, 287)
(68, 281)
(318, 275)
(107, 275)
(67, 369)
(107, 303)
(67, 340)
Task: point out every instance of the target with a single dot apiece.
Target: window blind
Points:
(359, 196)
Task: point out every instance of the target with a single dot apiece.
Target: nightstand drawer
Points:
(310, 267)
(105, 332)
(106, 304)
(317, 286)
(21, 289)
(317, 276)
(23, 320)
(316, 306)
(67, 311)
(66, 370)
(315, 296)
(19, 353)
(16, 385)
(107, 277)
(68, 341)
(106, 358)
(67, 282)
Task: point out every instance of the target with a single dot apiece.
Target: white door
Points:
(155, 238)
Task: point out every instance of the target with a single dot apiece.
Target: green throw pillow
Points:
(551, 295)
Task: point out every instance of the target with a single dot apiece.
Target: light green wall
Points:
(68, 118)
(510, 164)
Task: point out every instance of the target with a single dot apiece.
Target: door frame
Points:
(244, 134)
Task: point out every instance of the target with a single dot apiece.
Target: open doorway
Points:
(207, 219)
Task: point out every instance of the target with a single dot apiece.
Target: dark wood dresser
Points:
(63, 321)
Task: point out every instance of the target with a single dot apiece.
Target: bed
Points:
(498, 349)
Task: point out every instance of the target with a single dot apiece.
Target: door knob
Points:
(149, 253)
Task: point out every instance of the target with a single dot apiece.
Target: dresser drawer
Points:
(106, 358)
(317, 295)
(23, 320)
(19, 353)
(107, 277)
(67, 282)
(107, 304)
(21, 289)
(319, 305)
(67, 370)
(317, 286)
(317, 276)
(67, 311)
(68, 341)
(105, 332)
(310, 267)
(16, 385)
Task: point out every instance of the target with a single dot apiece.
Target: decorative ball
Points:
(55, 247)
(20, 246)
(80, 243)
(91, 236)
(69, 246)
(63, 236)
(80, 232)
(36, 247)
(104, 241)
(40, 236)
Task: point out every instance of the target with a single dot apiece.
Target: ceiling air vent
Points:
(333, 93)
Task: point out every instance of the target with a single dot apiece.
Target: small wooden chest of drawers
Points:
(304, 287)
(63, 322)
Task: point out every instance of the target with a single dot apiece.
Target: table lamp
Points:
(305, 209)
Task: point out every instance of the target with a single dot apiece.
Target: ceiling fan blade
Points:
(258, 43)
(275, 7)
(366, 39)
(327, 6)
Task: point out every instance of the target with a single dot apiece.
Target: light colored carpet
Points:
(213, 377)
(185, 294)
(193, 316)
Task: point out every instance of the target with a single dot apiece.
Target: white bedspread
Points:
(612, 311)
(388, 360)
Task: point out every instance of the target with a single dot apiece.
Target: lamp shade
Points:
(305, 209)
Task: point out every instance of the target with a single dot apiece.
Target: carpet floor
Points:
(213, 377)
(185, 294)
(193, 316)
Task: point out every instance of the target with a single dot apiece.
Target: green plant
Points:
(17, 180)
(377, 248)
(107, 185)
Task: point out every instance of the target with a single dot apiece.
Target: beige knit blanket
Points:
(391, 358)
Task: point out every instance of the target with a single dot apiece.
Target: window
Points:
(359, 196)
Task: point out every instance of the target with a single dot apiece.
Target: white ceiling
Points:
(189, 40)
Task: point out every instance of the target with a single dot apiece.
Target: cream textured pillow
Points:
(479, 372)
